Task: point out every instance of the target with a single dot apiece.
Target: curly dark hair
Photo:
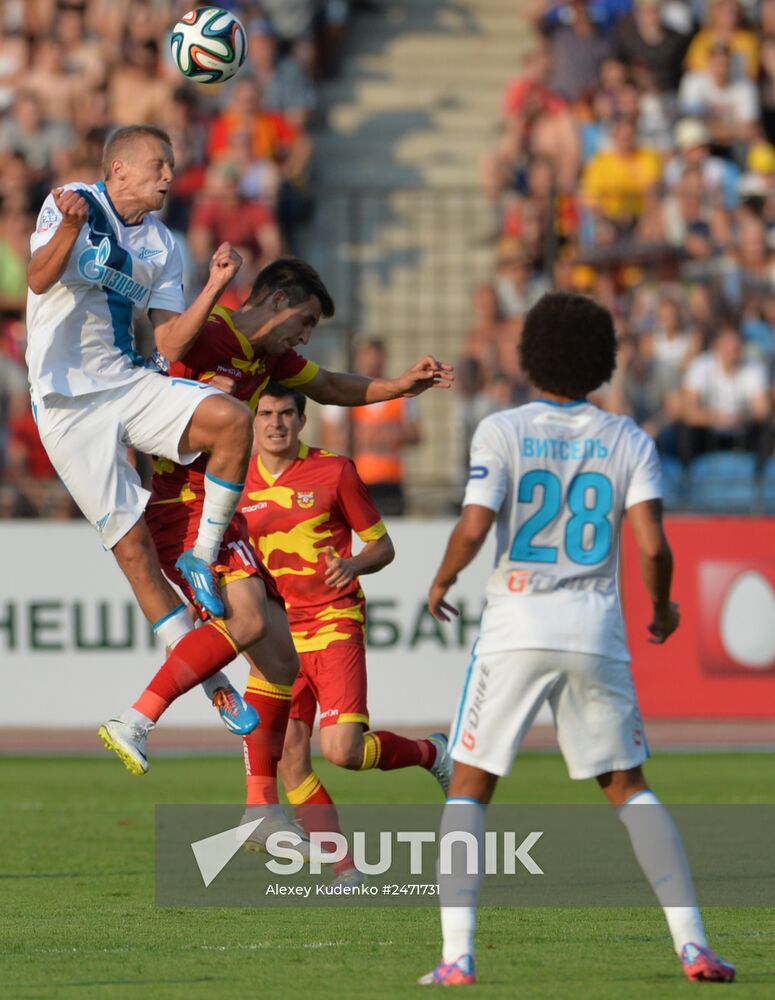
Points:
(568, 345)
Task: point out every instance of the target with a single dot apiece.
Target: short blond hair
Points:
(119, 140)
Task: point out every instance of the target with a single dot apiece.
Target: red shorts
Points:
(335, 679)
(174, 528)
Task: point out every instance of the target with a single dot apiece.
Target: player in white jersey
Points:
(556, 476)
(100, 259)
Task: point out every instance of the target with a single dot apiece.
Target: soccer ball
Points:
(208, 45)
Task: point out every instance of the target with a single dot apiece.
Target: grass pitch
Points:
(77, 917)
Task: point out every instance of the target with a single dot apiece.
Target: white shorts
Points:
(87, 439)
(596, 715)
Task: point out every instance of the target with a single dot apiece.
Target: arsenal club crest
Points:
(305, 499)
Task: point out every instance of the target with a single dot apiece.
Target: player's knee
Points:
(289, 667)
(348, 755)
(135, 553)
(256, 632)
(239, 425)
(230, 421)
(247, 630)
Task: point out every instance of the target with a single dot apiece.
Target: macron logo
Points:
(146, 252)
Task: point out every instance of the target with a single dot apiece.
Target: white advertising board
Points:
(75, 648)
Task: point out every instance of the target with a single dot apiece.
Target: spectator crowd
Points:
(72, 70)
(636, 163)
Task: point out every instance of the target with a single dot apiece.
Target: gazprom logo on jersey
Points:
(92, 264)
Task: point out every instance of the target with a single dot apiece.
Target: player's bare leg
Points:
(197, 655)
(347, 745)
(659, 850)
(472, 783)
(223, 427)
(313, 807)
(136, 555)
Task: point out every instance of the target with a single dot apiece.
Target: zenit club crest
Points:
(305, 499)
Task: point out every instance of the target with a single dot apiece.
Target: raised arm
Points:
(175, 333)
(49, 261)
(656, 566)
(347, 389)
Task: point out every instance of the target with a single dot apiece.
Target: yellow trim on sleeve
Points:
(308, 372)
(371, 534)
(297, 796)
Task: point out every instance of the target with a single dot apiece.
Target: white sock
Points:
(221, 499)
(211, 685)
(135, 718)
(660, 852)
(459, 891)
(172, 627)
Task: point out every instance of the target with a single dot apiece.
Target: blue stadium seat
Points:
(724, 482)
(768, 487)
(673, 482)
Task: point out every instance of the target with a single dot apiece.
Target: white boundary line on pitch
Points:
(254, 946)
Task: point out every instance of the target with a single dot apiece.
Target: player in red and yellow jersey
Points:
(302, 506)
(239, 351)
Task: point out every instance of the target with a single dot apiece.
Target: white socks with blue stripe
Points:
(170, 630)
(221, 499)
(660, 852)
(172, 627)
(459, 887)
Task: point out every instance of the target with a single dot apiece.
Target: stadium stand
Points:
(635, 162)
(70, 70)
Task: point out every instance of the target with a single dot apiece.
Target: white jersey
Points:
(560, 478)
(81, 331)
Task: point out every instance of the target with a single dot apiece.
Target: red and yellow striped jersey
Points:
(221, 349)
(315, 504)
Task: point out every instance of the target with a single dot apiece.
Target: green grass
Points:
(77, 917)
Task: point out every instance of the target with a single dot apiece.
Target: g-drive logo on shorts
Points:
(737, 616)
(474, 710)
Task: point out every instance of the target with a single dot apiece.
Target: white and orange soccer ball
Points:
(208, 45)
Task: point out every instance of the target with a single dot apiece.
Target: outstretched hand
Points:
(428, 373)
(72, 206)
(224, 264)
